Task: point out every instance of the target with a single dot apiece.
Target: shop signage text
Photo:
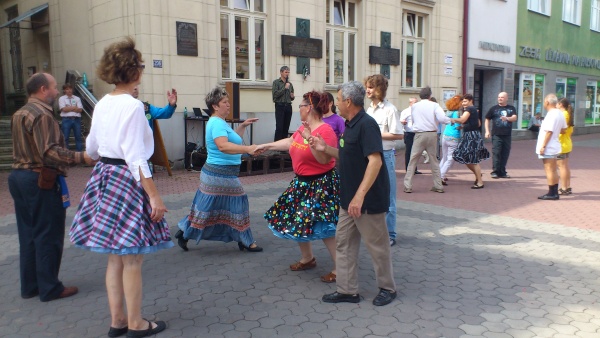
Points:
(494, 47)
(554, 55)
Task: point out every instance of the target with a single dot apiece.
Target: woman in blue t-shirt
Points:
(470, 149)
(220, 210)
(450, 137)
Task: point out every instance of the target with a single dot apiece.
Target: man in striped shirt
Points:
(38, 142)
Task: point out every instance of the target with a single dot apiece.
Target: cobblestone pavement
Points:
(489, 263)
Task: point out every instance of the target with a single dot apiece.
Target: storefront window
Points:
(571, 90)
(592, 103)
(242, 39)
(530, 98)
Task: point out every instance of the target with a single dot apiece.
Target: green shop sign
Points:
(556, 56)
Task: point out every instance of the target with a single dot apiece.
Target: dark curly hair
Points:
(318, 101)
(120, 63)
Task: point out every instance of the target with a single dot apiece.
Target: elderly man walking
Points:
(426, 116)
(364, 192)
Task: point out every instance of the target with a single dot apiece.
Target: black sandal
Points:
(160, 326)
(475, 186)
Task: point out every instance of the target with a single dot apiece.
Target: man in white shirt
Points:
(387, 117)
(70, 111)
(426, 116)
(548, 146)
(409, 135)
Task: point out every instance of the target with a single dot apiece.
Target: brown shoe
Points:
(298, 266)
(68, 292)
(328, 278)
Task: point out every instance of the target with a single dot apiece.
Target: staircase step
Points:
(5, 166)
(5, 149)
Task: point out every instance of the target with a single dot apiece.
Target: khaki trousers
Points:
(372, 228)
(424, 141)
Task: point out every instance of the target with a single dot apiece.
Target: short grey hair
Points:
(283, 68)
(552, 99)
(214, 97)
(355, 91)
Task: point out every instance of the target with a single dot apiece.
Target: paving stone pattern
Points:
(459, 272)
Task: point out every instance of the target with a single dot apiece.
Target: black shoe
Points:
(549, 197)
(494, 175)
(392, 242)
(160, 326)
(114, 332)
(182, 242)
(384, 297)
(504, 176)
(340, 298)
(250, 249)
(31, 295)
(418, 172)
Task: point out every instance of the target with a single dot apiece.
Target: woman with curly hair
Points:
(450, 137)
(566, 147)
(121, 213)
(308, 209)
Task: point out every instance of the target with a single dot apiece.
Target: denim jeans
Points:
(390, 217)
(75, 125)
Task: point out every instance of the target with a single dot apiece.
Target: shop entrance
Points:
(486, 86)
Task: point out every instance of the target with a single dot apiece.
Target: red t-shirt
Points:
(303, 161)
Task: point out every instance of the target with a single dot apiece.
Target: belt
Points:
(429, 131)
(71, 117)
(37, 170)
(113, 161)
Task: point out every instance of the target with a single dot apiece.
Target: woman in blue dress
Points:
(220, 210)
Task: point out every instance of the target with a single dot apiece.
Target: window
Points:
(572, 11)
(595, 19)
(413, 41)
(540, 6)
(242, 39)
(340, 41)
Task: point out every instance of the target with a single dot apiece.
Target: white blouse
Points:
(120, 130)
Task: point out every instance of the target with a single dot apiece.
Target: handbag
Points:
(47, 178)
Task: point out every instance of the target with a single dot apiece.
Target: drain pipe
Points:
(465, 46)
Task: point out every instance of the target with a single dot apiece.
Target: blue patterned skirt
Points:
(470, 149)
(114, 215)
(308, 209)
(220, 210)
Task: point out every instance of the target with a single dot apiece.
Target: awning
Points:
(25, 15)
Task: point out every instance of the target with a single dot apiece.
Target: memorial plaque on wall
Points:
(384, 56)
(303, 47)
(187, 38)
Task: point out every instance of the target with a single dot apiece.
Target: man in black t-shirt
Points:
(502, 116)
(364, 194)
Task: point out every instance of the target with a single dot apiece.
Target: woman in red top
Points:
(308, 209)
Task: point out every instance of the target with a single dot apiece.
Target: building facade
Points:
(193, 45)
(534, 48)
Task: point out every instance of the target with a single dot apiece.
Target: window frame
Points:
(576, 4)
(349, 41)
(253, 17)
(531, 5)
(418, 40)
(595, 12)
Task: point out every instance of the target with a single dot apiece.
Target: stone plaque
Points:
(304, 47)
(384, 56)
(187, 38)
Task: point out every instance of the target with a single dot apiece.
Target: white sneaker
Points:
(426, 156)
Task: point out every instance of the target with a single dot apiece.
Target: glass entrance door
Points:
(592, 103)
